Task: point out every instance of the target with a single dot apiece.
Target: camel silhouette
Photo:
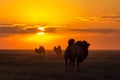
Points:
(75, 52)
(40, 50)
(58, 50)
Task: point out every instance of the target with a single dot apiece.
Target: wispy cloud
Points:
(112, 16)
(12, 30)
(108, 18)
(88, 19)
(102, 31)
(51, 29)
(6, 30)
(17, 30)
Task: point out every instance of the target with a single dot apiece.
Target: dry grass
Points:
(98, 66)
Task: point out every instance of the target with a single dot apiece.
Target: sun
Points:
(42, 29)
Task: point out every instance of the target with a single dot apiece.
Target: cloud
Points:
(108, 18)
(112, 17)
(17, 30)
(12, 30)
(7, 30)
(51, 29)
(88, 19)
(102, 31)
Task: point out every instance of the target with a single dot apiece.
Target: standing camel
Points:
(75, 52)
(40, 50)
(58, 50)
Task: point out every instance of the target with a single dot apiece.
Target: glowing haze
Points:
(26, 24)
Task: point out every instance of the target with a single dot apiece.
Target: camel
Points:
(58, 50)
(40, 50)
(75, 52)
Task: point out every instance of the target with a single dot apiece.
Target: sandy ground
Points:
(98, 66)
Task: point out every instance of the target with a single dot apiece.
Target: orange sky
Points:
(98, 22)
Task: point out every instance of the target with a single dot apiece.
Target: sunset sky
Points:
(26, 24)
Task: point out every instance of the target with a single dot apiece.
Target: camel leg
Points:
(78, 66)
(73, 64)
(66, 65)
(70, 65)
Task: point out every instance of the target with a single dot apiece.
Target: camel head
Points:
(70, 42)
(85, 44)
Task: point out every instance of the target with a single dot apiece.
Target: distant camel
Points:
(40, 50)
(58, 50)
(75, 52)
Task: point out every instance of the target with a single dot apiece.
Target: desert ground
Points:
(26, 65)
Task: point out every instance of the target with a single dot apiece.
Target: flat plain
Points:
(26, 65)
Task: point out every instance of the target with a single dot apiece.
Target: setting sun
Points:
(41, 28)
